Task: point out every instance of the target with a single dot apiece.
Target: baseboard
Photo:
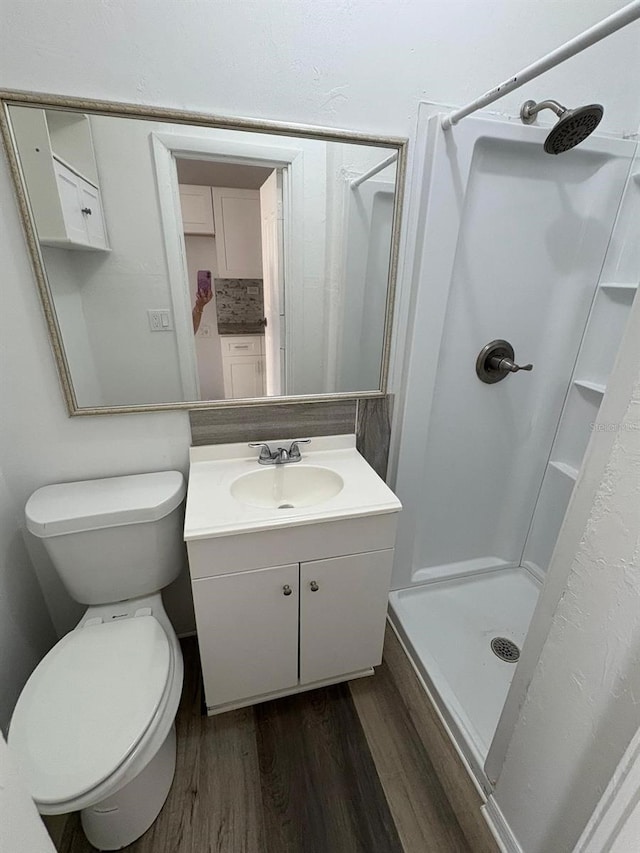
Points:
(499, 828)
(184, 634)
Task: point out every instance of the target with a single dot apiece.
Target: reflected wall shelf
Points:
(567, 470)
(612, 285)
(596, 387)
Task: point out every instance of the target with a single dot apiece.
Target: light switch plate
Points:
(160, 319)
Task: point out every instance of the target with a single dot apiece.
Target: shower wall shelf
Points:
(596, 387)
(567, 470)
(624, 286)
(613, 298)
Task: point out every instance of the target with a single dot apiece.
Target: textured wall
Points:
(582, 707)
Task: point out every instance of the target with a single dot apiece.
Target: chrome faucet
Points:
(281, 456)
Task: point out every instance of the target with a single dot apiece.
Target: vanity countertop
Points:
(212, 510)
(240, 329)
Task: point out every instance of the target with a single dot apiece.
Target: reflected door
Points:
(273, 281)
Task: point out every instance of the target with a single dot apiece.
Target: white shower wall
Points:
(608, 318)
(513, 246)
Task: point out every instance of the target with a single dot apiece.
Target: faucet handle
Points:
(294, 450)
(265, 451)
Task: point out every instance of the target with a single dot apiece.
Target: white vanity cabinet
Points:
(243, 366)
(277, 630)
(290, 581)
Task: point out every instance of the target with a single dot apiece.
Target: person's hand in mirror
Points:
(202, 299)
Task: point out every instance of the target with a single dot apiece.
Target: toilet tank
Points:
(115, 538)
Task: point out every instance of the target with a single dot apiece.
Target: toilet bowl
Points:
(93, 729)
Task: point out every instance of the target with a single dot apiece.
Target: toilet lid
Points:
(88, 704)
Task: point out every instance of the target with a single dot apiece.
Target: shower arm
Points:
(530, 109)
(594, 34)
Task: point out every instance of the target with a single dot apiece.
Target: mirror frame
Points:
(165, 115)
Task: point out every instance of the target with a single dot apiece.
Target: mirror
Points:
(190, 261)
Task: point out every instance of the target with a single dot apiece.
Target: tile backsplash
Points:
(264, 423)
(369, 419)
(239, 301)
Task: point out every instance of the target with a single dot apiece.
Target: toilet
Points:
(94, 728)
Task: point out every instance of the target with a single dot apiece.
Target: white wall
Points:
(134, 364)
(26, 632)
(363, 64)
(66, 288)
(360, 65)
(21, 828)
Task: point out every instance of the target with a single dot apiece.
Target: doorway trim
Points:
(167, 147)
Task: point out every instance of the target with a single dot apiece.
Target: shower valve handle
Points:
(496, 360)
(506, 365)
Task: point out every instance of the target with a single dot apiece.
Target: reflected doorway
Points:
(232, 217)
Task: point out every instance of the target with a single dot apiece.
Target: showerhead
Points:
(572, 129)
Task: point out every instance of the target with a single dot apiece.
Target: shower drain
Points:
(505, 649)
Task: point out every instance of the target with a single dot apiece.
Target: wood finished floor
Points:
(337, 770)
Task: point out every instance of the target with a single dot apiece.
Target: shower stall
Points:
(520, 259)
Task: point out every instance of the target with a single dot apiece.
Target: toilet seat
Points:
(88, 704)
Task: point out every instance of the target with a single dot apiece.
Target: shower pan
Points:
(521, 300)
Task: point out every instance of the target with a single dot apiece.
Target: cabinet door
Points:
(343, 607)
(75, 222)
(81, 207)
(238, 237)
(248, 633)
(197, 209)
(243, 376)
(91, 201)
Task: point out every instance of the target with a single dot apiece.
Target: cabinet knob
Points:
(86, 210)
(314, 586)
(286, 589)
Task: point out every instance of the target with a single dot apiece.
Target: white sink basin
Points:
(287, 486)
(230, 493)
